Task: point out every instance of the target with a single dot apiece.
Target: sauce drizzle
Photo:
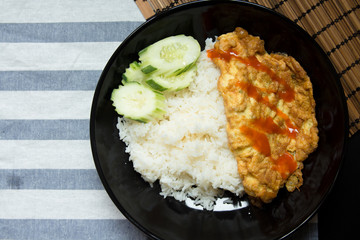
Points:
(256, 134)
(253, 92)
(285, 165)
(258, 140)
(287, 94)
(269, 126)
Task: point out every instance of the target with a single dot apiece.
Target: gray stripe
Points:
(69, 229)
(48, 80)
(66, 32)
(80, 179)
(44, 129)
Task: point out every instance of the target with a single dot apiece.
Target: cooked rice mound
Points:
(187, 151)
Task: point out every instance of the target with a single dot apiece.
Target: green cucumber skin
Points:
(135, 65)
(148, 69)
(185, 69)
(155, 85)
(143, 51)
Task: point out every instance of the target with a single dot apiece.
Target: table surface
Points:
(51, 57)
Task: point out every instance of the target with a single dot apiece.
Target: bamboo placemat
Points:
(334, 24)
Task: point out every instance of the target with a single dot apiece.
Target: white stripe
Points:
(45, 104)
(55, 56)
(57, 204)
(46, 154)
(68, 11)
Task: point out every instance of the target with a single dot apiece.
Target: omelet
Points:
(270, 111)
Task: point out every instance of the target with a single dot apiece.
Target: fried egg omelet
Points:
(270, 110)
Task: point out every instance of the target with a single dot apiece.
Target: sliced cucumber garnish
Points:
(167, 65)
(170, 56)
(172, 83)
(138, 102)
(133, 73)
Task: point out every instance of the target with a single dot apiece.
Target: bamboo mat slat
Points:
(334, 24)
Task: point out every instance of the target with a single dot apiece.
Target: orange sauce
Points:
(253, 92)
(287, 94)
(258, 140)
(256, 134)
(285, 165)
(269, 126)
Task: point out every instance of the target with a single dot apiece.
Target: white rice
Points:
(187, 151)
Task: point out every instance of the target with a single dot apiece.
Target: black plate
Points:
(339, 215)
(170, 219)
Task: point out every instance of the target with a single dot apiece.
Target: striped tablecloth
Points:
(51, 56)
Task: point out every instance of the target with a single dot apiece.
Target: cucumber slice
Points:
(170, 56)
(172, 83)
(148, 69)
(138, 102)
(133, 73)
